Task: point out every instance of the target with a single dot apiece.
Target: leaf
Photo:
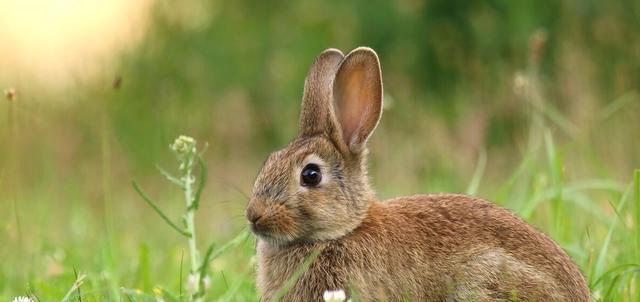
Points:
(170, 177)
(203, 179)
(152, 204)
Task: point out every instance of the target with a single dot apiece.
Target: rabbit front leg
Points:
(299, 273)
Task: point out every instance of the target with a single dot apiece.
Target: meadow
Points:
(534, 105)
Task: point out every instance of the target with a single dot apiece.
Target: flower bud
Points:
(184, 145)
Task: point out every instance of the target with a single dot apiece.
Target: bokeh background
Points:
(532, 104)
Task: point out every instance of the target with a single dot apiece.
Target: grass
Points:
(604, 241)
(126, 256)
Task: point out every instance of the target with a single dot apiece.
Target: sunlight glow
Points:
(60, 42)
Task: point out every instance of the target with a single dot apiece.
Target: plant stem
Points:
(189, 221)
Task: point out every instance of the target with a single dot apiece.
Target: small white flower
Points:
(192, 281)
(206, 281)
(334, 296)
(22, 299)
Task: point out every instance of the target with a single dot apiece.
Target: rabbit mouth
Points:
(272, 238)
(258, 230)
(262, 230)
(271, 234)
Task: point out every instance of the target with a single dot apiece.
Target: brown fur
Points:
(420, 248)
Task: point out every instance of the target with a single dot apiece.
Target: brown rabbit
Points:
(314, 195)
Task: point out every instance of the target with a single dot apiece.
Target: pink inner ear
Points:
(352, 101)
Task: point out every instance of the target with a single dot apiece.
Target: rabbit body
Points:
(314, 198)
(429, 248)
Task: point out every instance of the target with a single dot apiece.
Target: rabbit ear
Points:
(314, 113)
(357, 97)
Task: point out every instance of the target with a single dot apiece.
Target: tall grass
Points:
(595, 220)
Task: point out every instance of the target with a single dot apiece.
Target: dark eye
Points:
(310, 176)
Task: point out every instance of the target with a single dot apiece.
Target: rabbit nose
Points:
(254, 212)
(252, 216)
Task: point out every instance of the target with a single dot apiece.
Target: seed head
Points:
(536, 46)
(22, 299)
(10, 95)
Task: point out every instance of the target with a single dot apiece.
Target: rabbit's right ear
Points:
(357, 98)
(314, 114)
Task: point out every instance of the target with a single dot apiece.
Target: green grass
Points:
(120, 250)
(603, 238)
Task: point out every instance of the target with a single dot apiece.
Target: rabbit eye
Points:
(310, 176)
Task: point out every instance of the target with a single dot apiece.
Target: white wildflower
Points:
(184, 145)
(22, 299)
(192, 281)
(206, 281)
(334, 296)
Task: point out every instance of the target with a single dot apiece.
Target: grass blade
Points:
(555, 170)
(203, 271)
(620, 269)
(636, 186)
(472, 189)
(569, 190)
(231, 293)
(75, 273)
(231, 243)
(619, 103)
(296, 275)
(75, 287)
(604, 250)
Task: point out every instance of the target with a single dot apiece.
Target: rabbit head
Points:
(317, 187)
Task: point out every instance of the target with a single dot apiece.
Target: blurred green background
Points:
(538, 99)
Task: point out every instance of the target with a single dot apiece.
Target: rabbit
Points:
(314, 198)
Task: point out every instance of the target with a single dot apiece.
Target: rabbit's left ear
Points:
(314, 113)
(357, 98)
